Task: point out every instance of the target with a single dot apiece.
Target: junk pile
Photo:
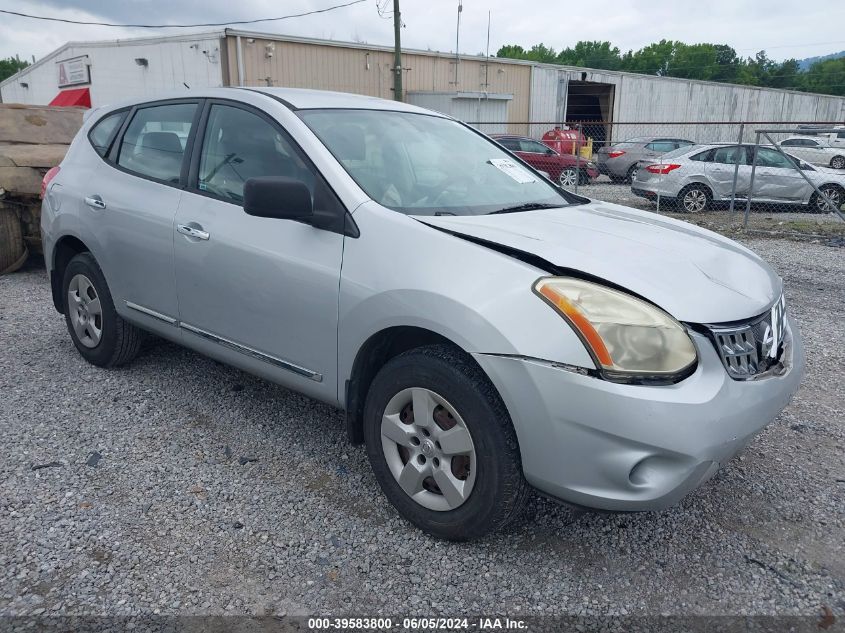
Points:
(32, 140)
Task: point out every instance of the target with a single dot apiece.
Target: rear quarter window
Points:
(103, 132)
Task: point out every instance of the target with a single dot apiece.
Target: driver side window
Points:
(239, 145)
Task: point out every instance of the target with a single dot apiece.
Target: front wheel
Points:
(568, 177)
(830, 200)
(838, 162)
(442, 446)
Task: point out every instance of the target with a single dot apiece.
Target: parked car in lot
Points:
(696, 176)
(565, 169)
(483, 330)
(815, 151)
(619, 161)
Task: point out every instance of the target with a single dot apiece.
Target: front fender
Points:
(401, 272)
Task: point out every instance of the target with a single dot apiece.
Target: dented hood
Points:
(694, 274)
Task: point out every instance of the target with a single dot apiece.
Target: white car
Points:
(815, 150)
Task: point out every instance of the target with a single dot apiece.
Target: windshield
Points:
(425, 165)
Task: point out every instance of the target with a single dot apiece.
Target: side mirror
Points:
(278, 197)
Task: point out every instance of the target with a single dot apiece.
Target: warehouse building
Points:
(504, 94)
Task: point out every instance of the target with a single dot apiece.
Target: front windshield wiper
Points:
(528, 206)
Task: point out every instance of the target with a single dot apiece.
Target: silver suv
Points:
(484, 331)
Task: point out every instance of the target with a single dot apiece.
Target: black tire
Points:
(120, 341)
(499, 491)
(837, 195)
(629, 177)
(837, 162)
(694, 198)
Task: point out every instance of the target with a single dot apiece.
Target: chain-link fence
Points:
(758, 175)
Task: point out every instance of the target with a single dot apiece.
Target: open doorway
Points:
(591, 103)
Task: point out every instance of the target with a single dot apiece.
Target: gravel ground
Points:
(181, 486)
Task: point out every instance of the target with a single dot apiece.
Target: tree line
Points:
(709, 62)
(11, 65)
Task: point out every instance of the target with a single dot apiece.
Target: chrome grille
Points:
(749, 348)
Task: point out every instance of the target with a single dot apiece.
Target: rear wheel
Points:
(830, 200)
(695, 198)
(101, 336)
(442, 446)
(838, 162)
(568, 177)
(632, 173)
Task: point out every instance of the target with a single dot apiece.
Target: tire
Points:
(489, 469)
(629, 177)
(100, 335)
(568, 177)
(834, 193)
(12, 250)
(694, 198)
(837, 162)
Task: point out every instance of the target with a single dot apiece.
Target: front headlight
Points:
(627, 337)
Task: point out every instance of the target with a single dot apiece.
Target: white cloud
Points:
(781, 27)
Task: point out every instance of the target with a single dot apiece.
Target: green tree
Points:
(602, 55)
(11, 65)
(826, 77)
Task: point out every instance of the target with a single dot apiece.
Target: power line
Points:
(180, 26)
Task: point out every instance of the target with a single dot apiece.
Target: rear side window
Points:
(730, 156)
(103, 132)
(154, 142)
(704, 157)
(511, 143)
(661, 146)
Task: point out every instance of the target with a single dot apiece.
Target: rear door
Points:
(132, 202)
(721, 165)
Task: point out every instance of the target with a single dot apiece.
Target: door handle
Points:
(95, 201)
(190, 231)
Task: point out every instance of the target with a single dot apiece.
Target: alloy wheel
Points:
(568, 177)
(830, 200)
(85, 311)
(695, 200)
(838, 162)
(428, 449)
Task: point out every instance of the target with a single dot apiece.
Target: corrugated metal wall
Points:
(115, 75)
(665, 99)
(367, 71)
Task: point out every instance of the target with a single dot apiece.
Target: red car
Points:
(562, 168)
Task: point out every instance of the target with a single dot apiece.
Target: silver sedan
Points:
(483, 330)
(697, 176)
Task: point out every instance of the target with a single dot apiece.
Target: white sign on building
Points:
(73, 72)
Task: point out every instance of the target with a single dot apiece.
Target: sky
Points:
(783, 28)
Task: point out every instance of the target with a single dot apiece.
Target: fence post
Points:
(751, 184)
(736, 169)
(578, 157)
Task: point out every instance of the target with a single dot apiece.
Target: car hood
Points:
(695, 275)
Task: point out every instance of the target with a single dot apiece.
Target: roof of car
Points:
(294, 98)
(305, 99)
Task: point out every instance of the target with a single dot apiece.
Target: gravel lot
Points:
(216, 492)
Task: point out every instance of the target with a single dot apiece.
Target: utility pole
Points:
(397, 52)
(458, 41)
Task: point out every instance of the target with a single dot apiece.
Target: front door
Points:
(777, 178)
(264, 289)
